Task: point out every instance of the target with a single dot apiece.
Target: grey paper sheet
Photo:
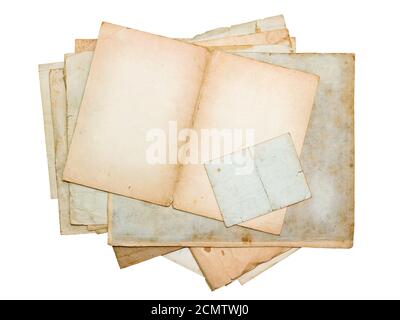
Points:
(184, 258)
(325, 220)
(258, 180)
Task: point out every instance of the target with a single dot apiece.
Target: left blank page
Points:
(137, 82)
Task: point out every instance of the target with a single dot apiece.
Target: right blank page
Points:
(241, 93)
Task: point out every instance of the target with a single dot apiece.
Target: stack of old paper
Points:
(134, 124)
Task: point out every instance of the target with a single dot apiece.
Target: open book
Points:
(144, 90)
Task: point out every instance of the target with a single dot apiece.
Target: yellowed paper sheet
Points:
(90, 161)
(44, 71)
(221, 266)
(276, 48)
(94, 227)
(128, 256)
(261, 38)
(265, 266)
(59, 108)
(261, 25)
(83, 45)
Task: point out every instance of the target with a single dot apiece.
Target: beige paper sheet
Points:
(260, 25)
(152, 60)
(221, 266)
(59, 116)
(277, 48)
(262, 38)
(44, 71)
(128, 256)
(246, 277)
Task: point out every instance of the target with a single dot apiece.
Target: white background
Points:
(36, 262)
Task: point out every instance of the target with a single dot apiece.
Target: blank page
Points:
(137, 82)
(240, 93)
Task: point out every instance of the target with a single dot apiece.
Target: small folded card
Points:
(258, 180)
